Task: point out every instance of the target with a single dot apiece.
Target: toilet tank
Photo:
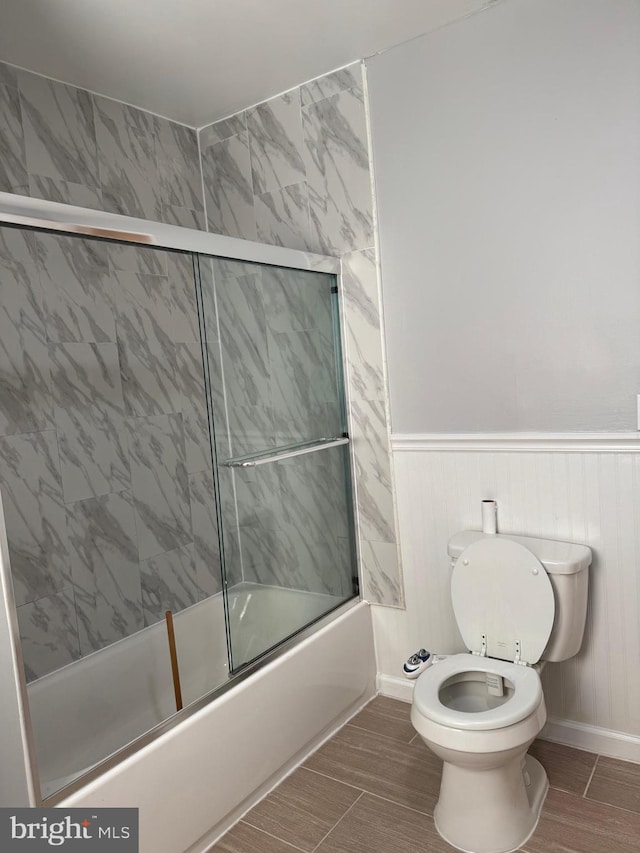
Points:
(567, 567)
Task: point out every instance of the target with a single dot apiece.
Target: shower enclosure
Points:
(173, 439)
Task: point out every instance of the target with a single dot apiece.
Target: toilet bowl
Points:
(518, 601)
(491, 794)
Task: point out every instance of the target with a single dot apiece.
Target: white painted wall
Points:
(507, 164)
(508, 187)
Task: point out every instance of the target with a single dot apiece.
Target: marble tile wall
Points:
(295, 171)
(104, 453)
(63, 144)
(105, 464)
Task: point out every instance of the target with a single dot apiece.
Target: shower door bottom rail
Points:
(279, 455)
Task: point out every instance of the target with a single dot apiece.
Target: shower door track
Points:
(23, 212)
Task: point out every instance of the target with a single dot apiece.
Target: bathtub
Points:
(196, 779)
(89, 709)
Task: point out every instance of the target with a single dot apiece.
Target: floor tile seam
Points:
(337, 823)
(591, 775)
(271, 835)
(335, 779)
(377, 734)
(389, 737)
(367, 791)
(396, 803)
(611, 806)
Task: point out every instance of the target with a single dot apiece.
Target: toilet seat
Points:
(526, 698)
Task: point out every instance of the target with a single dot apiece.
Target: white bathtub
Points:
(84, 712)
(218, 762)
(197, 779)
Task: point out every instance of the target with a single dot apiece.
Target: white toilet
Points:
(518, 601)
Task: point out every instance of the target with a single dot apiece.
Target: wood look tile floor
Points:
(373, 786)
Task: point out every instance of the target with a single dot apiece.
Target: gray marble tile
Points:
(59, 130)
(169, 583)
(144, 314)
(243, 338)
(182, 298)
(77, 289)
(297, 300)
(184, 217)
(205, 532)
(89, 412)
(303, 385)
(190, 379)
(25, 383)
(13, 169)
(259, 516)
(275, 139)
(273, 550)
(160, 484)
(373, 470)
(178, 165)
(223, 129)
(127, 156)
(48, 633)
(381, 579)
(65, 192)
(240, 426)
(138, 259)
(250, 429)
(282, 217)
(313, 500)
(8, 75)
(362, 318)
(226, 171)
(149, 381)
(34, 510)
(337, 167)
(104, 565)
(331, 84)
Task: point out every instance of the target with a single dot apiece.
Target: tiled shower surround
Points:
(105, 473)
(63, 144)
(295, 171)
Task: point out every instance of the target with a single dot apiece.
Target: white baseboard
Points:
(593, 738)
(395, 687)
(580, 735)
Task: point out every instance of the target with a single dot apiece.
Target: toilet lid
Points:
(501, 590)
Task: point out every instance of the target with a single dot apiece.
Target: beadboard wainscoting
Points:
(575, 488)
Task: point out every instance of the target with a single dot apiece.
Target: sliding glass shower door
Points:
(174, 476)
(276, 398)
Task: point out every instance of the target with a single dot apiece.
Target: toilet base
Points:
(491, 811)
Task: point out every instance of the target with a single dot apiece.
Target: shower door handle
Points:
(279, 455)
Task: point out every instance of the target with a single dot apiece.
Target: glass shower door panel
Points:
(296, 545)
(276, 392)
(276, 368)
(107, 486)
